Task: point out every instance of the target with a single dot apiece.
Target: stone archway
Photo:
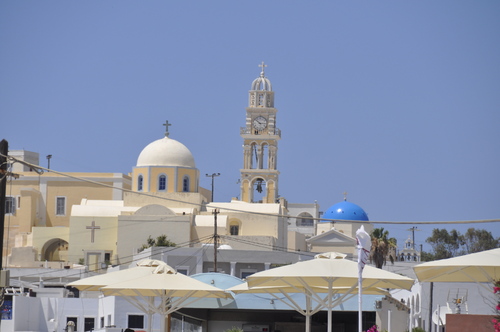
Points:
(55, 250)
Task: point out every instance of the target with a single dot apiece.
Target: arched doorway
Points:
(55, 250)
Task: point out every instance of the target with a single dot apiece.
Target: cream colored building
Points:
(39, 204)
(61, 220)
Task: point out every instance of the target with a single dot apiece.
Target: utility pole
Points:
(4, 275)
(4, 151)
(216, 238)
(412, 230)
(212, 176)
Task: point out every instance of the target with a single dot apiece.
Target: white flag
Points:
(364, 245)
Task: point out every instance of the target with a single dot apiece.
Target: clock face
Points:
(260, 123)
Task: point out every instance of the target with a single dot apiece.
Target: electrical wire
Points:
(214, 205)
(40, 170)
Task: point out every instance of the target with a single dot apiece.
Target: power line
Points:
(212, 205)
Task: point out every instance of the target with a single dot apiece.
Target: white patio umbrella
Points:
(95, 283)
(163, 291)
(174, 289)
(330, 271)
(314, 301)
(481, 266)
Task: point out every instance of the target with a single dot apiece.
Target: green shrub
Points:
(417, 329)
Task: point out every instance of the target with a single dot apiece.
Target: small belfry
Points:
(259, 175)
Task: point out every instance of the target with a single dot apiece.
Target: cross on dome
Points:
(166, 124)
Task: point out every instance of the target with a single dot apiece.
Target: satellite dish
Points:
(441, 319)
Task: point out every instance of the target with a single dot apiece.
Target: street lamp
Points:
(48, 160)
(212, 176)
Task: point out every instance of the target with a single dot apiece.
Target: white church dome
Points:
(166, 152)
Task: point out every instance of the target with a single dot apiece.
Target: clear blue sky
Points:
(395, 102)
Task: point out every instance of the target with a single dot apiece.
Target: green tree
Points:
(444, 244)
(452, 244)
(160, 241)
(426, 256)
(382, 245)
(476, 240)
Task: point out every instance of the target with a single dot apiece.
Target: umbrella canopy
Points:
(164, 282)
(328, 270)
(481, 266)
(95, 283)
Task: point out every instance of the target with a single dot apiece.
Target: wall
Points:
(476, 323)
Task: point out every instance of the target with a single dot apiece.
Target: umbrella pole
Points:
(360, 304)
(330, 295)
(308, 311)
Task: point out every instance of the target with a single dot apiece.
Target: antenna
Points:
(458, 297)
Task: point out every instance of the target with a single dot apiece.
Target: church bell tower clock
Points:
(259, 176)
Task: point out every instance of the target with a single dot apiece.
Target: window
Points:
(60, 206)
(247, 272)
(89, 324)
(139, 183)
(162, 182)
(102, 322)
(136, 321)
(10, 205)
(305, 220)
(234, 229)
(74, 320)
(185, 184)
(183, 270)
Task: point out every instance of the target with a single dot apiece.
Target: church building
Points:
(99, 219)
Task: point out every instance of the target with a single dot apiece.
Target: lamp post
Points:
(48, 161)
(212, 176)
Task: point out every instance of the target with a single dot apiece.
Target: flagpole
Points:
(360, 298)
(364, 245)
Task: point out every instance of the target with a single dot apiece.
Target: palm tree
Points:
(382, 246)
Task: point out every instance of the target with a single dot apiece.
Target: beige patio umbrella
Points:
(163, 292)
(478, 267)
(95, 283)
(314, 301)
(330, 271)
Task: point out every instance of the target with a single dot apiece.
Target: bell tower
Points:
(259, 176)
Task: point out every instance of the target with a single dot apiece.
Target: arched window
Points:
(162, 182)
(185, 184)
(234, 228)
(304, 220)
(140, 181)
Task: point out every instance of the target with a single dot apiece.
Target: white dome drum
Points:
(166, 152)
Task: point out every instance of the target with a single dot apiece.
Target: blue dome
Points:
(346, 211)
